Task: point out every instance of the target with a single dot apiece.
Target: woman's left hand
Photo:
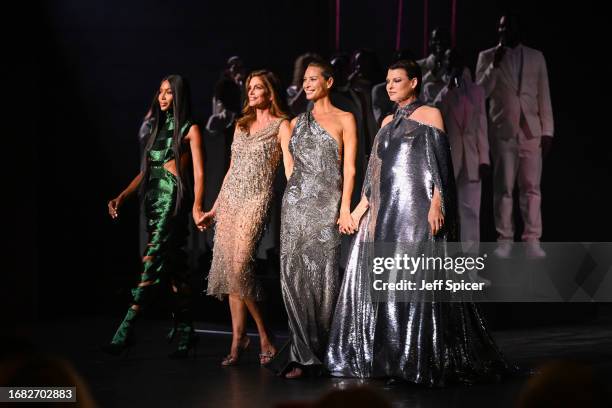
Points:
(198, 216)
(207, 220)
(435, 219)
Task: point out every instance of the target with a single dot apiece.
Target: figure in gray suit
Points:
(521, 128)
(462, 103)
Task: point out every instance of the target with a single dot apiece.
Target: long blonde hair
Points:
(272, 86)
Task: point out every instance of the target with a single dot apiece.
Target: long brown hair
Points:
(272, 86)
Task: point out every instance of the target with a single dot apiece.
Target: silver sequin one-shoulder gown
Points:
(310, 244)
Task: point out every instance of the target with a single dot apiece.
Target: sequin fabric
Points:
(167, 232)
(431, 343)
(163, 257)
(310, 244)
(242, 206)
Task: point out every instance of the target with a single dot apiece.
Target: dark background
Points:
(91, 68)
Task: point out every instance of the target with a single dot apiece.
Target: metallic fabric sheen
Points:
(167, 231)
(310, 244)
(429, 343)
(164, 257)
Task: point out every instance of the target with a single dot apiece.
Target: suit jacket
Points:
(465, 119)
(501, 85)
(432, 87)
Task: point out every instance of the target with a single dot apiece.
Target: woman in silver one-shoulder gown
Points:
(315, 208)
(415, 339)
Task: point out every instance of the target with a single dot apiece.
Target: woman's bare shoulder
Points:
(346, 118)
(386, 120)
(429, 115)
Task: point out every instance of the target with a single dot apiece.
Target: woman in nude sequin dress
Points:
(241, 207)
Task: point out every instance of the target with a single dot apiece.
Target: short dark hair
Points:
(326, 69)
(413, 70)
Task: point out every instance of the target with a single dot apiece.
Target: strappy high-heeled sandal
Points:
(232, 360)
(266, 357)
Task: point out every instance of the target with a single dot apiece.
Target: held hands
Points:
(113, 206)
(435, 219)
(206, 220)
(358, 212)
(198, 215)
(346, 223)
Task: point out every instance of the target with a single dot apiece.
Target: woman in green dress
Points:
(163, 185)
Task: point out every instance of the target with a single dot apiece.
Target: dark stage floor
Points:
(147, 378)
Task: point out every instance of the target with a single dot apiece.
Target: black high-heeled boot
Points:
(123, 339)
(172, 333)
(183, 322)
(187, 341)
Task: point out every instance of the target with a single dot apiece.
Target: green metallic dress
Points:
(164, 257)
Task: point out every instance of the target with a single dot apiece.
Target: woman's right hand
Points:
(435, 217)
(113, 206)
(207, 220)
(346, 223)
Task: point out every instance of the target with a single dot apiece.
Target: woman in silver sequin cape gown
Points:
(310, 244)
(429, 343)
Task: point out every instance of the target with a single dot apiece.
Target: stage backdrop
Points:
(97, 65)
